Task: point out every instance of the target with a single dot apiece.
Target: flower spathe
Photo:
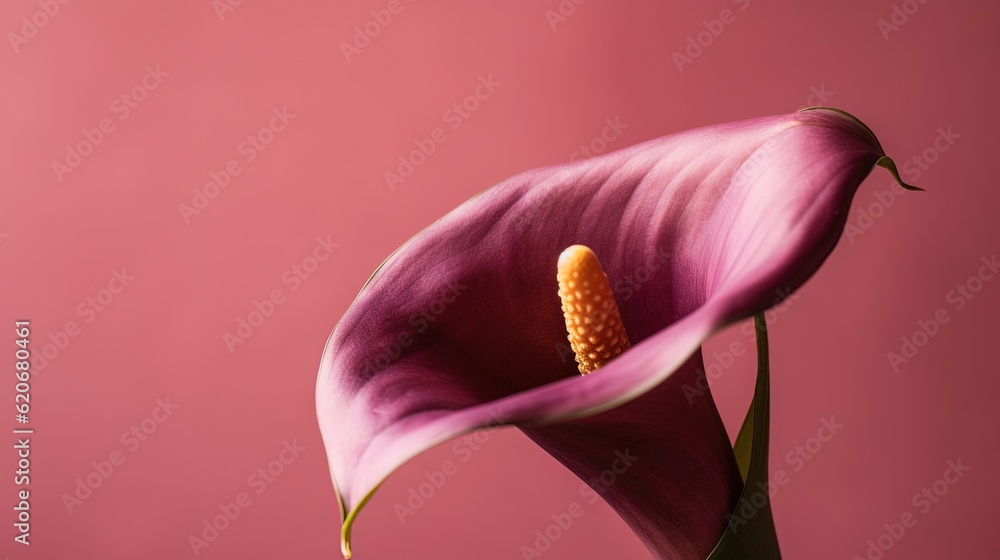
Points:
(714, 221)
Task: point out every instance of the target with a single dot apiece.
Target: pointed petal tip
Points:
(886, 162)
(345, 539)
(349, 517)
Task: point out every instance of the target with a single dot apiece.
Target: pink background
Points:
(322, 175)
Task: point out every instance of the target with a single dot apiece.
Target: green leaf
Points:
(751, 533)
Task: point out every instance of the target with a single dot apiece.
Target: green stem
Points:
(751, 533)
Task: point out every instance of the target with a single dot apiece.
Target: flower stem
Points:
(751, 533)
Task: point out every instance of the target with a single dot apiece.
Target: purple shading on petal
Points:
(715, 219)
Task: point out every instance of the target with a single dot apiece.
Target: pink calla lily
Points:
(461, 328)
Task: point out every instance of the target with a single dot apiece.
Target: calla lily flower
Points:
(462, 327)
